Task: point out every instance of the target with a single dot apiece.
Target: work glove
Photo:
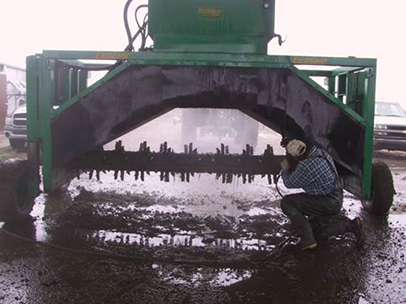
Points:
(284, 142)
(285, 165)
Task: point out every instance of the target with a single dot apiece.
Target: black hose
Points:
(136, 12)
(280, 40)
(127, 26)
(144, 33)
(130, 45)
(131, 39)
(110, 66)
(143, 26)
(276, 184)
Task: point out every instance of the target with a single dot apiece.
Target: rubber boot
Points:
(356, 228)
(303, 229)
(335, 228)
(341, 227)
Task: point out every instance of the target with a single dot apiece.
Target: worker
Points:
(310, 212)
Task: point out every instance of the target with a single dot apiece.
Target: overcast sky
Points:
(362, 28)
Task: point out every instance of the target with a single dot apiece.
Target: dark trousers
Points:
(316, 210)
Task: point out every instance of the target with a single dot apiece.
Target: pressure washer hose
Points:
(276, 183)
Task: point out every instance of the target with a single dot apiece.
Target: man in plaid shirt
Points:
(313, 170)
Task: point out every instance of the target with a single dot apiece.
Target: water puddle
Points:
(40, 224)
(202, 276)
(182, 239)
(202, 190)
(228, 277)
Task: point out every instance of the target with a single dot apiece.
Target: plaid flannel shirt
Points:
(314, 174)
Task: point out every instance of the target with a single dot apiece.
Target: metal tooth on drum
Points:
(166, 162)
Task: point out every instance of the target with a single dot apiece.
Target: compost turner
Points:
(204, 54)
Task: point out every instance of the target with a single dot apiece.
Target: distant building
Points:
(12, 90)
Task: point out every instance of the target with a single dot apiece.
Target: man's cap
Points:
(296, 147)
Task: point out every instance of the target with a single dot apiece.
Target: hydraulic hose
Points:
(110, 66)
(127, 26)
(131, 39)
(136, 13)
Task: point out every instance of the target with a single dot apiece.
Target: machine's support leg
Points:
(369, 110)
(46, 97)
(33, 127)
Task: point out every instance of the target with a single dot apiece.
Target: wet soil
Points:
(198, 242)
(3, 140)
(8, 152)
(140, 248)
(395, 159)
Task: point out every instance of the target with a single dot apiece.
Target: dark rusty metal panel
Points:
(141, 92)
(311, 116)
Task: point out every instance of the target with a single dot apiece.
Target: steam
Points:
(206, 129)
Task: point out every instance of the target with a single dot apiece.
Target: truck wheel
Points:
(14, 196)
(382, 190)
(17, 144)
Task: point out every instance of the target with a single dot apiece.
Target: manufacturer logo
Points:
(309, 60)
(210, 13)
(112, 55)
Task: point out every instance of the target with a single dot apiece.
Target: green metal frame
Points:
(354, 81)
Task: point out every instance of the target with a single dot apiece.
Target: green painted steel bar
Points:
(33, 127)
(64, 87)
(342, 87)
(33, 121)
(301, 73)
(46, 97)
(346, 70)
(369, 110)
(74, 87)
(82, 80)
(246, 59)
(331, 85)
(330, 96)
(362, 90)
(332, 73)
(86, 90)
(317, 73)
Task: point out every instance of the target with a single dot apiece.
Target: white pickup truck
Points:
(16, 128)
(390, 126)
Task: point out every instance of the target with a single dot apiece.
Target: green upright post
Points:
(74, 88)
(342, 87)
(33, 126)
(369, 113)
(46, 96)
(83, 74)
(332, 85)
(33, 121)
(361, 90)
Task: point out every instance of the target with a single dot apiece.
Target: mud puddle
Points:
(173, 229)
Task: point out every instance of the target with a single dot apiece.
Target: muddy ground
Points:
(200, 242)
